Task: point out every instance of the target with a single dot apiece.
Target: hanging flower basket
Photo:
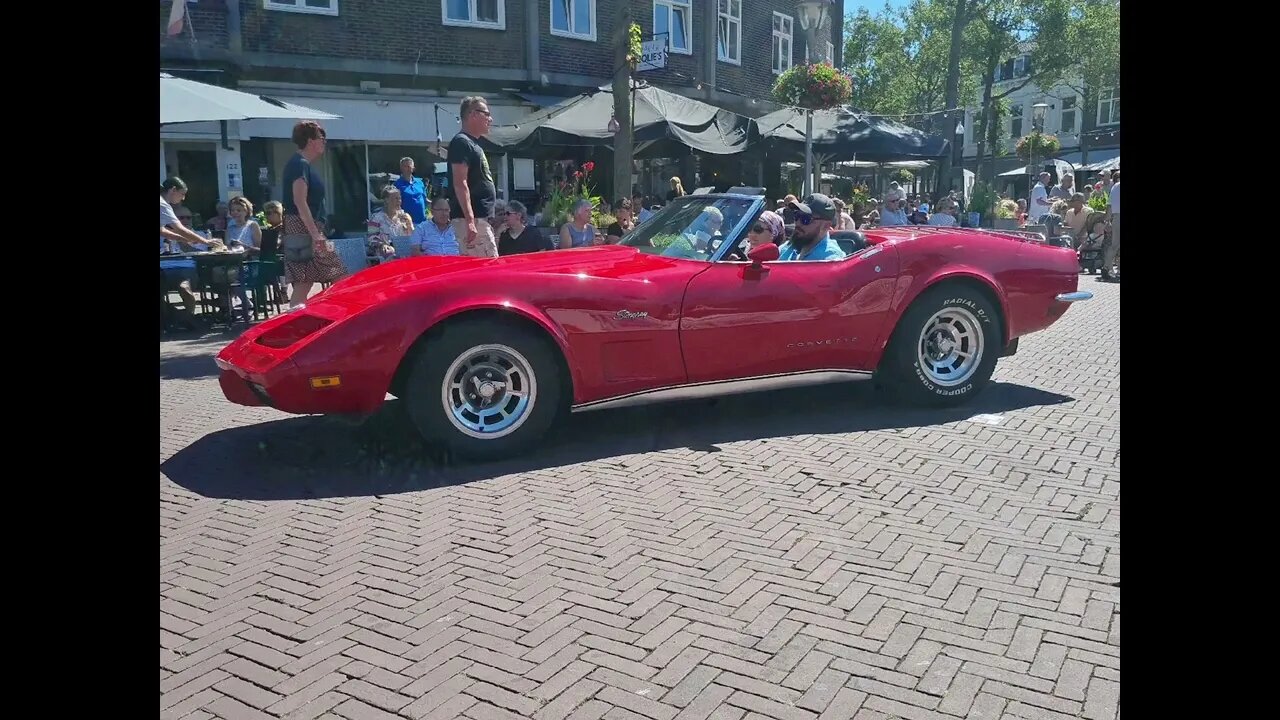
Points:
(1043, 146)
(814, 86)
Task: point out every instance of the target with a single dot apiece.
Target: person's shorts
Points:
(173, 277)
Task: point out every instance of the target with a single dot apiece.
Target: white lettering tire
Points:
(944, 348)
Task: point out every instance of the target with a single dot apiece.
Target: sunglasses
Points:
(758, 228)
(803, 219)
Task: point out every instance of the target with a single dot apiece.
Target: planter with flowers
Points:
(1036, 145)
(813, 86)
(559, 206)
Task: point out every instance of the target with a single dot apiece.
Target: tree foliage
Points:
(1095, 24)
(898, 59)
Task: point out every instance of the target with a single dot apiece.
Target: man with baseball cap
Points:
(811, 239)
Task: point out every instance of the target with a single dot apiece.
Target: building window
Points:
(1067, 120)
(490, 14)
(315, 7)
(831, 53)
(781, 43)
(1015, 121)
(1109, 107)
(574, 18)
(675, 18)
(729, 34)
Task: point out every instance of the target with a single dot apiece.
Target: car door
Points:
(792, 316)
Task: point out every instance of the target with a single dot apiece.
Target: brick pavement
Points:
(805, 555)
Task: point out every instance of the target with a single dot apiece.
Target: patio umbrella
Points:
(183, 101)
(664, 123)
(847, 134)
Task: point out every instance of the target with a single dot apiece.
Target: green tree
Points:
(1006, 29)
(914, 61)
(873, 57)
(626, 54)
(1095, 27)
(900, 59)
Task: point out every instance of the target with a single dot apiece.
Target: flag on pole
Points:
(177, 16)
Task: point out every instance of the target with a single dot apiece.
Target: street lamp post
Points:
(959, 155)
(815, 16)
(1037, 124)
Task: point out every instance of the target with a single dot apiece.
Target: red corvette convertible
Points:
(486, 353)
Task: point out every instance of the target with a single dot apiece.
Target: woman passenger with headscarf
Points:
(768, 228)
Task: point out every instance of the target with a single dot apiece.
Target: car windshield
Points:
(690, 227)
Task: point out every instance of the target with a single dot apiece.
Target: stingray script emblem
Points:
(628, 315)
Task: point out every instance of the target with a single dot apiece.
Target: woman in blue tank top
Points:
(578, 232)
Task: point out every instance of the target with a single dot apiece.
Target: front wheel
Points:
(944, 348)
(484, 390)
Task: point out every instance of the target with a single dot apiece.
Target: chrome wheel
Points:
(951, 346)
(489, 391)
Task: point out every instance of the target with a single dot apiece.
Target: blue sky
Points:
(872, 6)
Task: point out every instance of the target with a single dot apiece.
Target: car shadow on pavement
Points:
(320, 457)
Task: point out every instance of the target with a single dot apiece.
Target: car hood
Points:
(607, 261)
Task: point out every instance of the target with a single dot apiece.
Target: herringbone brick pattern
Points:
(803, 555)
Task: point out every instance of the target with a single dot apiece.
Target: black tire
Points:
(424, 393)
(967, 317)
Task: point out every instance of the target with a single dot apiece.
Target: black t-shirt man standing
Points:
(472, 193)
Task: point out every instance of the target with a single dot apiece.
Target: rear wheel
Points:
(944, 348)
(485, 390)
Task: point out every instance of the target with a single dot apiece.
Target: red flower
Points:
(588, 166)
(578, 174)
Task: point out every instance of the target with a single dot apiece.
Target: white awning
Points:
(188, 101)
(1095, 157)
(383, 120)
(1064, 168)
(1105, 165)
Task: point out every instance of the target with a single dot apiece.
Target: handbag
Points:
(295, 241)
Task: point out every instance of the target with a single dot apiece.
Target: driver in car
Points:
(811, 239)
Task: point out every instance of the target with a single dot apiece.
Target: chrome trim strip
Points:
(716, 388)
(1075, 296)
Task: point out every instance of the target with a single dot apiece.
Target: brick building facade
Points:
(395, 69)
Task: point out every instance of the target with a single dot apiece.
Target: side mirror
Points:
(758, 256)
(767, 252)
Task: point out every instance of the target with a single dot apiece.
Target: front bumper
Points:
(277, 388)
(288, 388)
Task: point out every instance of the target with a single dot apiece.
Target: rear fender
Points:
(966, 274)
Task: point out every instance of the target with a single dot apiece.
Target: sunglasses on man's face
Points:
(803, 219)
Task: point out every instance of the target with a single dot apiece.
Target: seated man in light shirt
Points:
(945, 215)
(811, 238)
(893, 214)
(435, 237)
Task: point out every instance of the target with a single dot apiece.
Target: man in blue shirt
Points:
(811, 239)
(413, 193)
